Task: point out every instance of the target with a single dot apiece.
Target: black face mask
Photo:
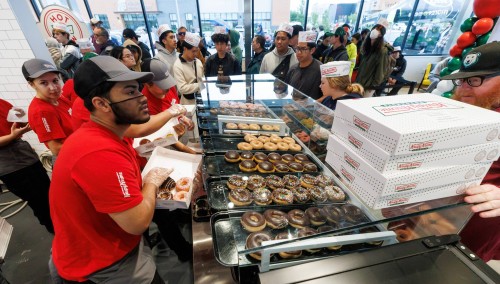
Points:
(124, 118)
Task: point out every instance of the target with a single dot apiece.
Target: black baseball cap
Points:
(162, 78)
(35, 68)
(480, 61)
(339, 31)
(129, 33)
(97, 70)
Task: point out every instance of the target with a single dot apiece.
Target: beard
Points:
(488, 99)
(125, 118)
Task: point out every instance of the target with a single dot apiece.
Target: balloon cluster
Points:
(475, 32)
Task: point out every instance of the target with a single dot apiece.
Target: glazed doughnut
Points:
(301, 195)
(291, 181)
(288, 140)
(295, 167)
(275, 219)
(181, 196)
(231, 125)
(305, 232)
(248, 166)
(276, 127)
(308, 181)
(254, 126)
(315, 216)
(274, 182)
(183, 184)
(249, 137)
(274, 157)
(240, 197)
(282, 146)
(334, 193)
(324, 180)
(275, 139)
(235, 182)
(334, 214)
(244, 146)
(253, 221)
(262, 196)
(317, 194)
(256, 144)
(353, 214)
(243, 126)
(298, 219)
(310, 167)
(403, 235)
(282, 196)
(287, 254)
(168, 185)
(247, 155)
(265, 167)
(264, 139)
(260, 157)
(287, 158)
(232, 157)
(270, 146)
(164, 195)
(301, 158)
(294, 147)
(281, 167)
(255, 240)
(255, 181)
(144, 141)
(267, 127)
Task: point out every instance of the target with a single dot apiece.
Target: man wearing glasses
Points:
(101, 37)
(305, 76)
(478, 83)
(181, 35)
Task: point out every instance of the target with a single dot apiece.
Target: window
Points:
(327, 16)
(173, 22)
(104, 19)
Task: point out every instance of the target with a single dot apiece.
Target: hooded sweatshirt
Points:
(138, 62)
(166, 56)
(234, 38)
(273, 59)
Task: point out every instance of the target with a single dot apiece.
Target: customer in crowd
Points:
(102, 39)
(478, 83)
(20, 168)
(86, 48)
(69, 52)
(259, 51)
(234, 39)
(336, 85)
(166, 47)
(323, 45)
(222, 63)
(101, 209)
(294, 40)
(337, 51)
(374, 68)
(351, 48)
(125, 56)
(305, 76)
(129, 34)
(435, 74)
(49, 114)
(396, 77)
(188, 70)
(181, 35)
(278, 61)
(54, 50)
(364, 34)
(136, 52)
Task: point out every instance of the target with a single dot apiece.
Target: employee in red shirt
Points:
(49, 114)
(100, 205)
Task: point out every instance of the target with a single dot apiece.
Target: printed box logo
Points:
(330, 70)
(397, 201)
(407, 107)
(409, 165)
(363, 125)
(355, 142)
(420, 146)
(347, 175)
(351, 161)
(404, 187)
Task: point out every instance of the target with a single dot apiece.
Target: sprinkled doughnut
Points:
(255, 181)
(324, 180)
(262, 196)
(317, 194)
(301, 195)
(274, 182)
(282, 196)
(235, 182)
(240, 197)
(308, 181)
(291, 181)
(334, 193)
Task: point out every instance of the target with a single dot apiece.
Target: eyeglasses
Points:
(182, 33)
(96, 35)
(475, 81)
(303, 49)
(133, 98)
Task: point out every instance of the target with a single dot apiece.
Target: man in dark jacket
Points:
(221, 63)
(130, 34)
(337, 52)
(396, 77)
(101, 36)
(323, 45)
(258, 46)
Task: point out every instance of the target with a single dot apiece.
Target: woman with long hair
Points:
(125, 56)
(336, 85)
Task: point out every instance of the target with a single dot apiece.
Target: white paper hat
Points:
(220, 30)
(285, 28)
(383, 22)
(61, 27)
(397, 48)
(192, 39)
(84, 43)
(163, 28)
(95, 21)
(335, 69)
(308, 36)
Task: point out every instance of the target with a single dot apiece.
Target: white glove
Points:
(176, 110)
(157, 176)
(187, 122)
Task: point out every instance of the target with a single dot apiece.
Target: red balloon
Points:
(456, 51)
(486, 8)
(482, 26)
(466, 39)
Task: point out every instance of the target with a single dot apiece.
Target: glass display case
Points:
(266, 227)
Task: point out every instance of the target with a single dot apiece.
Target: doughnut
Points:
(248, 166)
(255, 181)
(287, 158)
(231, 125)
(317, 194)
(164, 195)
(300, 194)
(243, 126)
(244, 146)
(310, 167)
(288, 140)
(287, 254)
(273, 157)
(403, 235)
(305, 232)
(158, 139)
(247, 155)
(334, 193)
(256, 144)
(235, 182)
(327, 228)
(295, 167)
(324, 180)
(274, 182)
(276, 127)
(260, 157)
(353, 214)
(264, 139)
(240, 197)
(281, 167)
(232, 157)
(334, 214)
(308, 181)
(144, 141)
(275, 219)
(168, 185)
(183, 184)
(275, 139)
(253, 221)
(254, 126)
(301, 158)
(249, 137)
(254, 240)
(282, 196)
(291, 181)
(294, 147)
(270, 146)
(262, 196)
(267, 127)
(298, 219)
(181, 196)
(282, 146)
(265, 167)
(371, 230)
(315, 216)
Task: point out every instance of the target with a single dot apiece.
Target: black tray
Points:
(221, 143)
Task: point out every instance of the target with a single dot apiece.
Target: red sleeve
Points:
(46, 126)
(111, 187)
(4, 124)
(68, 91)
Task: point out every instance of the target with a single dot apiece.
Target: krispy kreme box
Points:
(416, 123)
(359, 174)
(384, 162)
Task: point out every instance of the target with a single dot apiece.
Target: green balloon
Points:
(464, 53)
(454, 63)
(447, 94)
(445, 72)
(483, 39)
(467, 24)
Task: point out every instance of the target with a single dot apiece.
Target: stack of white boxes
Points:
(411, 148)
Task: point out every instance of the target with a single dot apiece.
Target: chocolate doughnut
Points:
(253, 221)
(287, 158)
(324, 180)
(353, 214)
(168, 185)
(262, 196)
(247, 155)
(255, 240)
(298, 219)
(275, 219)
(287, 254)
(291, 181)
(274, 182)
(334, 193)
(260, 157)
(248, 166)
(301, 195)
(308, 181)
(144, 141)
(315, 217)
(301, 158)
(327, 228)
(333, 213)
(281, 167)
(282, 196)
(265, 167)
(371, 230)
(310, 167)
(164, 195)
(254, 182)
(274, 157)
(295, 167)
(232, 157)
(240, 197)
(317, 194)
(305, 232)
(236, 181)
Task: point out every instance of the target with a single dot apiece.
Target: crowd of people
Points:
(97, 96)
